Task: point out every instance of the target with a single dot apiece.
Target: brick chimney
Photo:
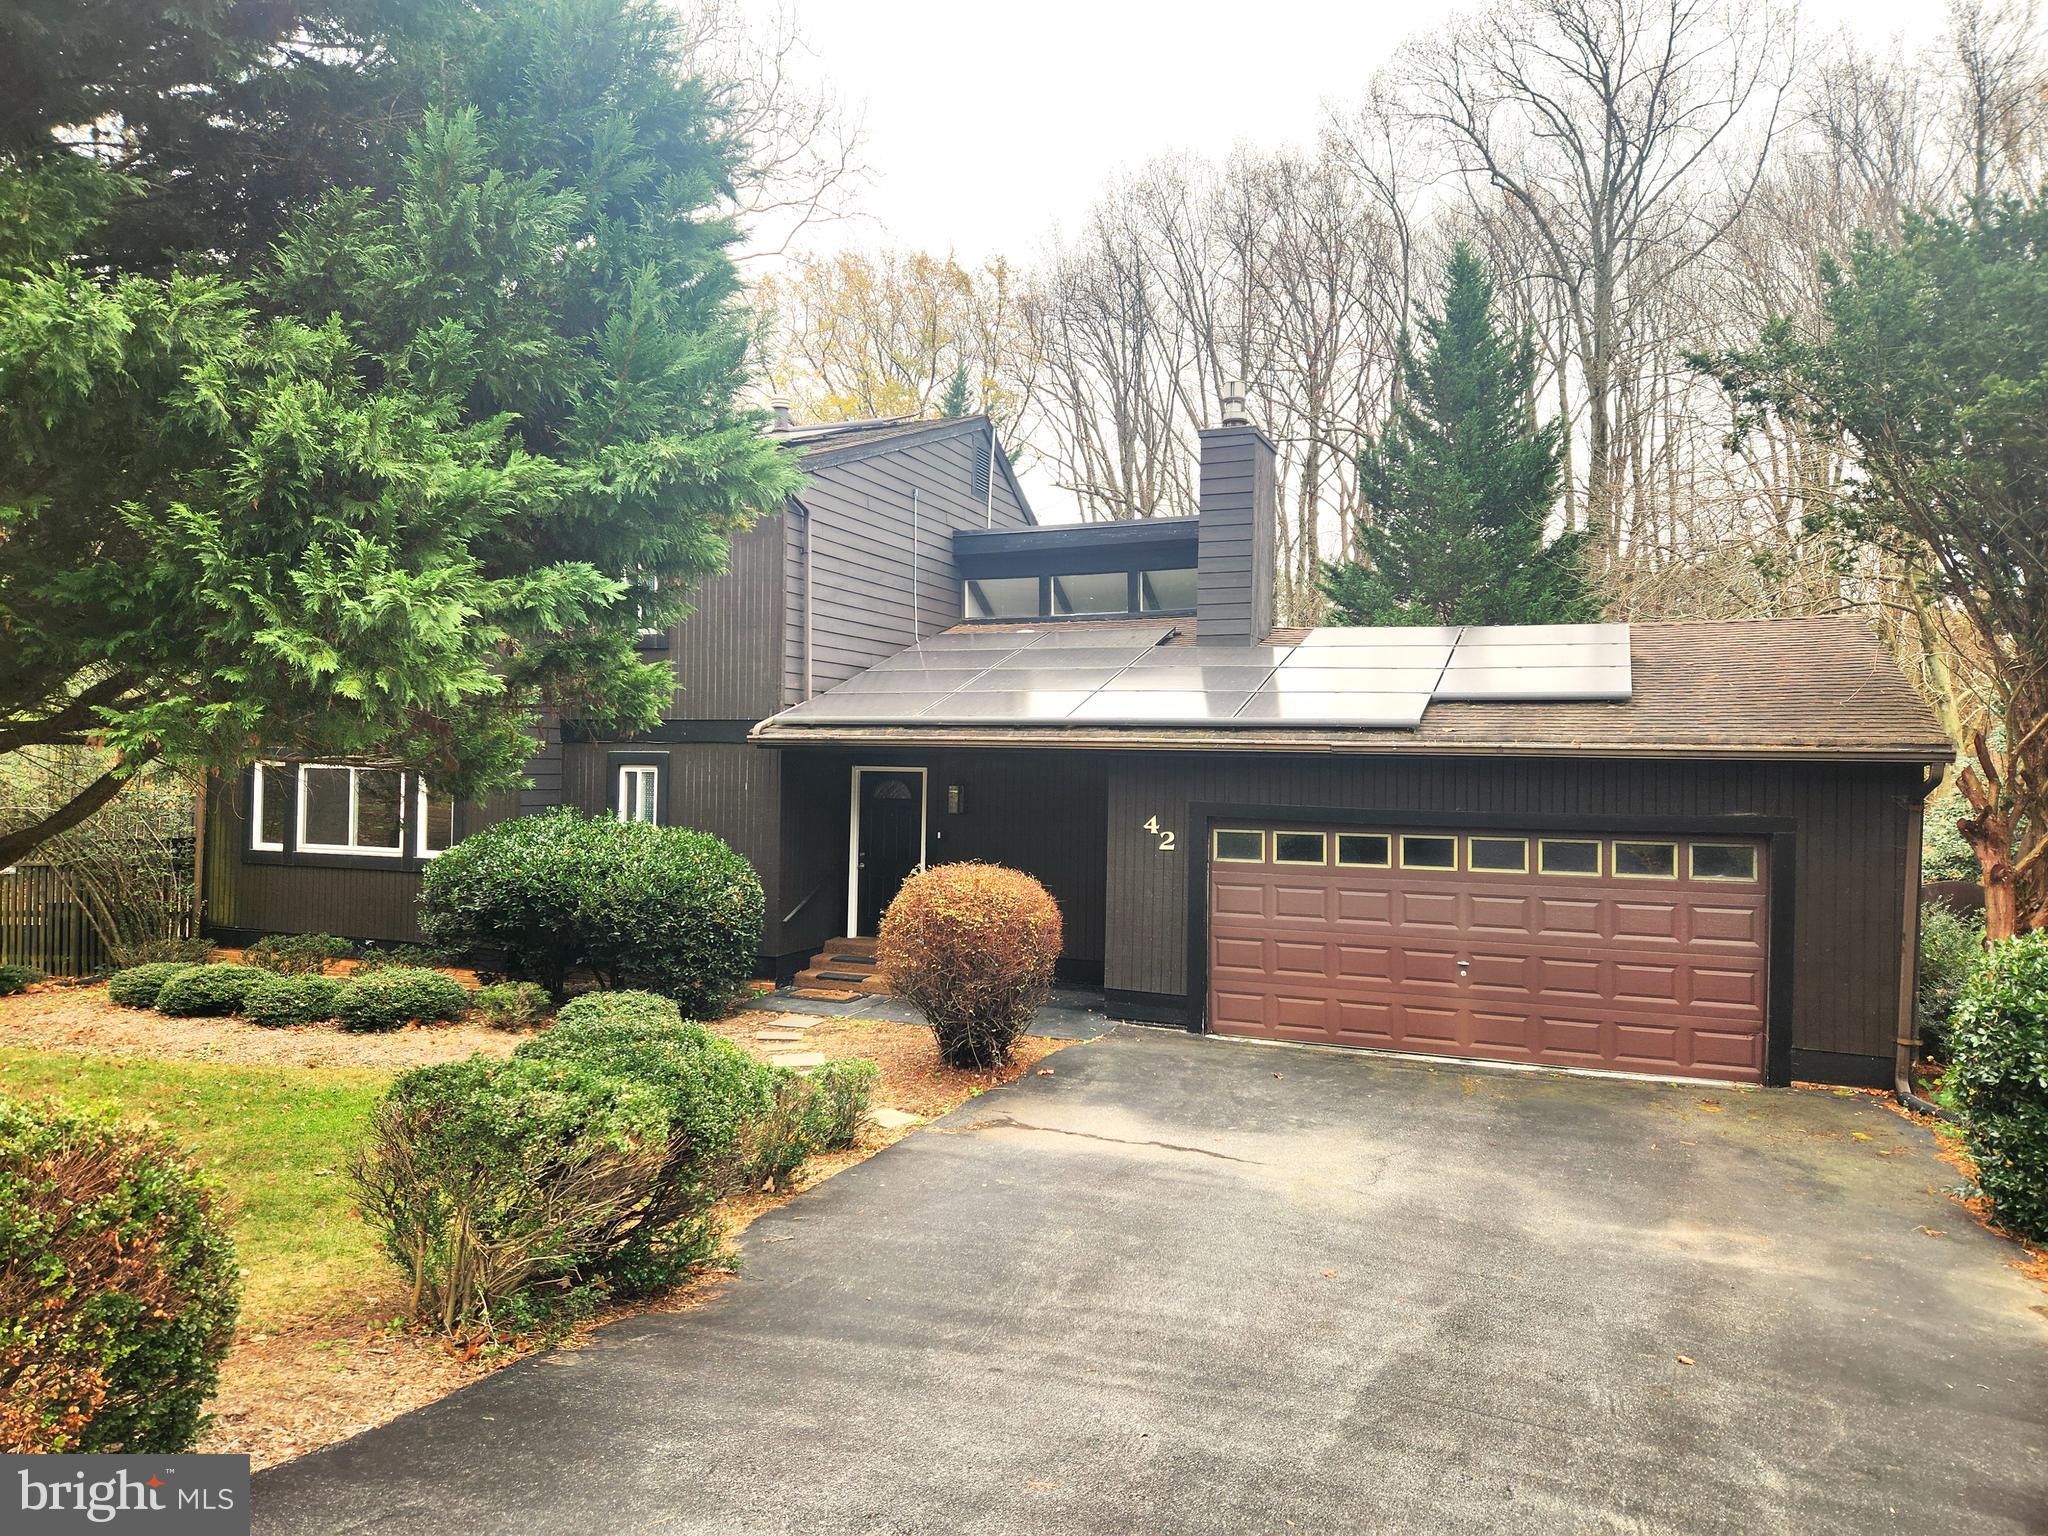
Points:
(1240, 513)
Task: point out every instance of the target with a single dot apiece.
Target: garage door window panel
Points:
(1300, 848)
(1364, 850)
(1233, 846)
(1497, 855)
(1734, 863)
(1646, 861)
(1440, 853)
(1568, 856)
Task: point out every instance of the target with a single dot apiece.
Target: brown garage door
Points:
(1639, 954)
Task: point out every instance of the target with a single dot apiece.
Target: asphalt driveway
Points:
(1194, 1285)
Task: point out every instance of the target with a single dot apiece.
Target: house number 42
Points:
(1164, 835)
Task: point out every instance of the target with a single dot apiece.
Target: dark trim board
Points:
(1841, 1067)
(1782, 858)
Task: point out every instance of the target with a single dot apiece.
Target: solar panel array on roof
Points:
(1380, 678)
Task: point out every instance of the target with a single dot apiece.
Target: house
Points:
(1684, 849)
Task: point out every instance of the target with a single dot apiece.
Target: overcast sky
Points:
(990, 127)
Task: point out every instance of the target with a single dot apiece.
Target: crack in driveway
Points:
(1012, 1123)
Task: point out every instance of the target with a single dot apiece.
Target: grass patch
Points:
(276, 1139)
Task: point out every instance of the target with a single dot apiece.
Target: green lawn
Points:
(276, 1138)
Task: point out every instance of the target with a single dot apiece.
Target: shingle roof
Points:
(1799, 688)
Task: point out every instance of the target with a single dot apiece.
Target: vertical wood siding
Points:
(859, 530)
(1851, 825)
(725, 653)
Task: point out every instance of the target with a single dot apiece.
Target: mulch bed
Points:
(81, 1020)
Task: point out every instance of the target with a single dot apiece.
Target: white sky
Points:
(992, 126)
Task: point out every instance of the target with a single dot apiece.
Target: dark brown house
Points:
(1680, 849)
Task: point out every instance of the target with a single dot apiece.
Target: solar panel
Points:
(1544, 634)
(1349, 679)
(1035, 679)
(1579, 654)
(1175, 679)
(1356, 709)
(1380, 635)
(1020, 708)
(1558, 684)
(1361, 678)
(1164, 706)
(934, 680)
(861, 708)
(1213, 656)
(1355, 657)
(1072, 656)
(1123, 632)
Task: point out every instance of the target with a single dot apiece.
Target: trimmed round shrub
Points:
(512, 1004)
(118, 1287)
(390, 999)
(208, 990)
(662, 908)
(19, 978)
(1998, 1076)
(618, 1008)
(298, 954)
(281, 1002)
(138, 986)
(412, 957)
(972, 946)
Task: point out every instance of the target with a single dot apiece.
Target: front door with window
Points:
(889, 843)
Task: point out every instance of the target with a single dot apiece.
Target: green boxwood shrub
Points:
(619, 1008)
(298, 954)
(207, 990)
(389, 999)
(138, 986)
(1951, 952)
(663, 908)
(512, 1004)
(1998, 1080)
(118, 1287)
(501, 1187)
(411, 957)
(842, 1092)
(18, 978)
(283, 1001)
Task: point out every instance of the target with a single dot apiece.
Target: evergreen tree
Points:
(1460, 484)
(422, 472)
(953, 404)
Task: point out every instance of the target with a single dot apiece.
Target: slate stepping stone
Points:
(786, 1035)
(799, 1060)
(894, 1119)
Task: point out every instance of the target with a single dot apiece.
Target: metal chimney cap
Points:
(1235, 412)
(783, 419)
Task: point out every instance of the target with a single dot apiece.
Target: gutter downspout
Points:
(1909, 954)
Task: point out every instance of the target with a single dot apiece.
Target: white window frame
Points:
(1216, 836)
(1457, 852)
(626, 802)
(352, 847)
(256, 843)
(1344, 863)
(1491, 869)
(419, 821)
(1322, 842)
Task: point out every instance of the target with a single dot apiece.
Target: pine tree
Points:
(953, 404)
(418, 475)
(1460, 484)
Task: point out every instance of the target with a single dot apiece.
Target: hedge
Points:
(208, 990)
(1998, 1078)
(286, 1000)
(390, 999)
(663, 908)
